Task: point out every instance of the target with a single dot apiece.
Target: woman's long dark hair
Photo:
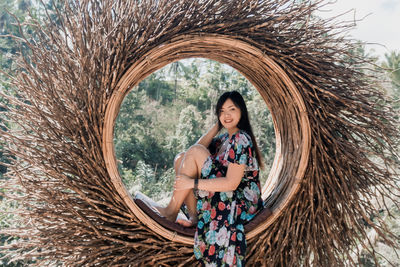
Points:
(244, 122)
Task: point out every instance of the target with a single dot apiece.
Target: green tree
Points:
(157, 88)
(10, 13)
(263, 128)
(178, 70)
(392, 65)
(138, 136)
(188, 129)
(145, 180)
(152, 131)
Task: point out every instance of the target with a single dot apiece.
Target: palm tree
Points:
(392, 65)
(177, 68)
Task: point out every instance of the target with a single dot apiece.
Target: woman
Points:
(228, 191)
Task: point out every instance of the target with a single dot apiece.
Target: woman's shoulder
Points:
(222, 137)
(218, 140)
(242, 137)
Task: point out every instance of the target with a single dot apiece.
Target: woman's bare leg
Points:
(191, 164)
(190, 199)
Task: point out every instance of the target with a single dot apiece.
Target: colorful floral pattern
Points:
(220, 238)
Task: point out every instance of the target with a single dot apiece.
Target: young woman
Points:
(223, 171)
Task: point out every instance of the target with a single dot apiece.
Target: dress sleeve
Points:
(240, 150)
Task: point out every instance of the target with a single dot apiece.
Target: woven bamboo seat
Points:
(146, 207)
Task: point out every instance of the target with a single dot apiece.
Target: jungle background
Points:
(168, 112)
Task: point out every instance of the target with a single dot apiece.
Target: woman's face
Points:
(229, 116)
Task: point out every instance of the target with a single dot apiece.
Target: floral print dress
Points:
(220, 238)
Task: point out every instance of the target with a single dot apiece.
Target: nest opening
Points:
(292, 129)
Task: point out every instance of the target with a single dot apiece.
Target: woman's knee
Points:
(178, 159)
(197, 149)
(198, 153)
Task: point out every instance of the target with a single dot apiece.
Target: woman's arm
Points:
(221, 184)
(206, 139)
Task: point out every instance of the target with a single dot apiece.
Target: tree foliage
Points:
(392, 66)
(167, 113)
(13, 15)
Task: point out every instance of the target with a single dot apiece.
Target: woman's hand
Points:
(206, 139)
(183, 182)
(218, 126)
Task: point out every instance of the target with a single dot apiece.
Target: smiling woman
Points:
(168, 111)
(229, 116)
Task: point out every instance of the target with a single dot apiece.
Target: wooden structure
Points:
(291, 123)
(336, 136)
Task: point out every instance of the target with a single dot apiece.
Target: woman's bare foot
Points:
(185, 222)
(176, 218)
(164, 213)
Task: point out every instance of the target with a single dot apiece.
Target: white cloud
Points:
(380, 21)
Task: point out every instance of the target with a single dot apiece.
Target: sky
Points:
(380, 22)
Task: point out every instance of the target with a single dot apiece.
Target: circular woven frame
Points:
(291, 122)
(330, 121)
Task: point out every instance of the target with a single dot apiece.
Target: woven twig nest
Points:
(330, 121)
